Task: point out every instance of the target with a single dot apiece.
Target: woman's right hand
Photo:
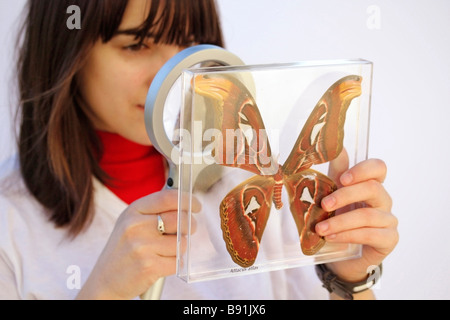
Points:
(136, 254)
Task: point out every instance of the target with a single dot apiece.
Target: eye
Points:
(136, 47)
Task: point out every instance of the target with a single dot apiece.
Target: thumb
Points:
(165, 200)
(338, 166)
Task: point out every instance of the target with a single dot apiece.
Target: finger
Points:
(187, 225)
(338, 166)
(370, 192)
(164, 246)
(164, 201)
(381, 239)
(158, 202)
(170, 223)
(159, 247)
(157, 255)
(195, 204)
(372, 169)
(359, 218)
(166, 266)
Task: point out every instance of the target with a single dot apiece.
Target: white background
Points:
(408, 41)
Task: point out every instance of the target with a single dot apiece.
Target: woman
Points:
(83, 197)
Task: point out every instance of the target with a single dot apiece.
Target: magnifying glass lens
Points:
(171, 113)
(173, 104)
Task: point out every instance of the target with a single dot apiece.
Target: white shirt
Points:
(39, 261)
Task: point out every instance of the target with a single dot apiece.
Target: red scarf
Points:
(135, 170)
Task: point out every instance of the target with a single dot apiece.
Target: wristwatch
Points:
(345, 289)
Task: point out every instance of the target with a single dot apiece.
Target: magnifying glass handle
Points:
(154, 114)
(155, 291)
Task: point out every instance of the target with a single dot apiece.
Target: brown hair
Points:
(58, 147)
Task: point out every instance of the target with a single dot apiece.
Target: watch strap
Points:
(342, 288)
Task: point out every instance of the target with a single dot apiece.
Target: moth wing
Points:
(243, 140)
(321, 139)
(244, 213)
(306, 191)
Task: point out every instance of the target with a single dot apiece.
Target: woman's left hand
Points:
(372, 224)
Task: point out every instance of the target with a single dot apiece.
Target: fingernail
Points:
(330, 237)
(329, 202)
(346, 178)
(322, 227)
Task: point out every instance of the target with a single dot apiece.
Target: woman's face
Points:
(115, 80)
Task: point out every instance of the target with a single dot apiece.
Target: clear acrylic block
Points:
(230, 118)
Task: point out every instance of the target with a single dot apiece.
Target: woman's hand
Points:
(370, 224)
(136, 254)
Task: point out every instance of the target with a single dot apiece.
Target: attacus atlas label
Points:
(234, 270)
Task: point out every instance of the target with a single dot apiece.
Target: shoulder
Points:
(15, 200)
(21, 215)
(31, 246)
(14, 229)
(8, 168)
(11, 181)
(13, 192)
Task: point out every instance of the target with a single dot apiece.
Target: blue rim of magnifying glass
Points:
(164, 80)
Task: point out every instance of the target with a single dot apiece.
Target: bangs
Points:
(180, 22)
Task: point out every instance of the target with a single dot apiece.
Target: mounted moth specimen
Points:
(245, 210)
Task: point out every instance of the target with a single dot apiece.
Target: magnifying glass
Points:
(158, 106)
